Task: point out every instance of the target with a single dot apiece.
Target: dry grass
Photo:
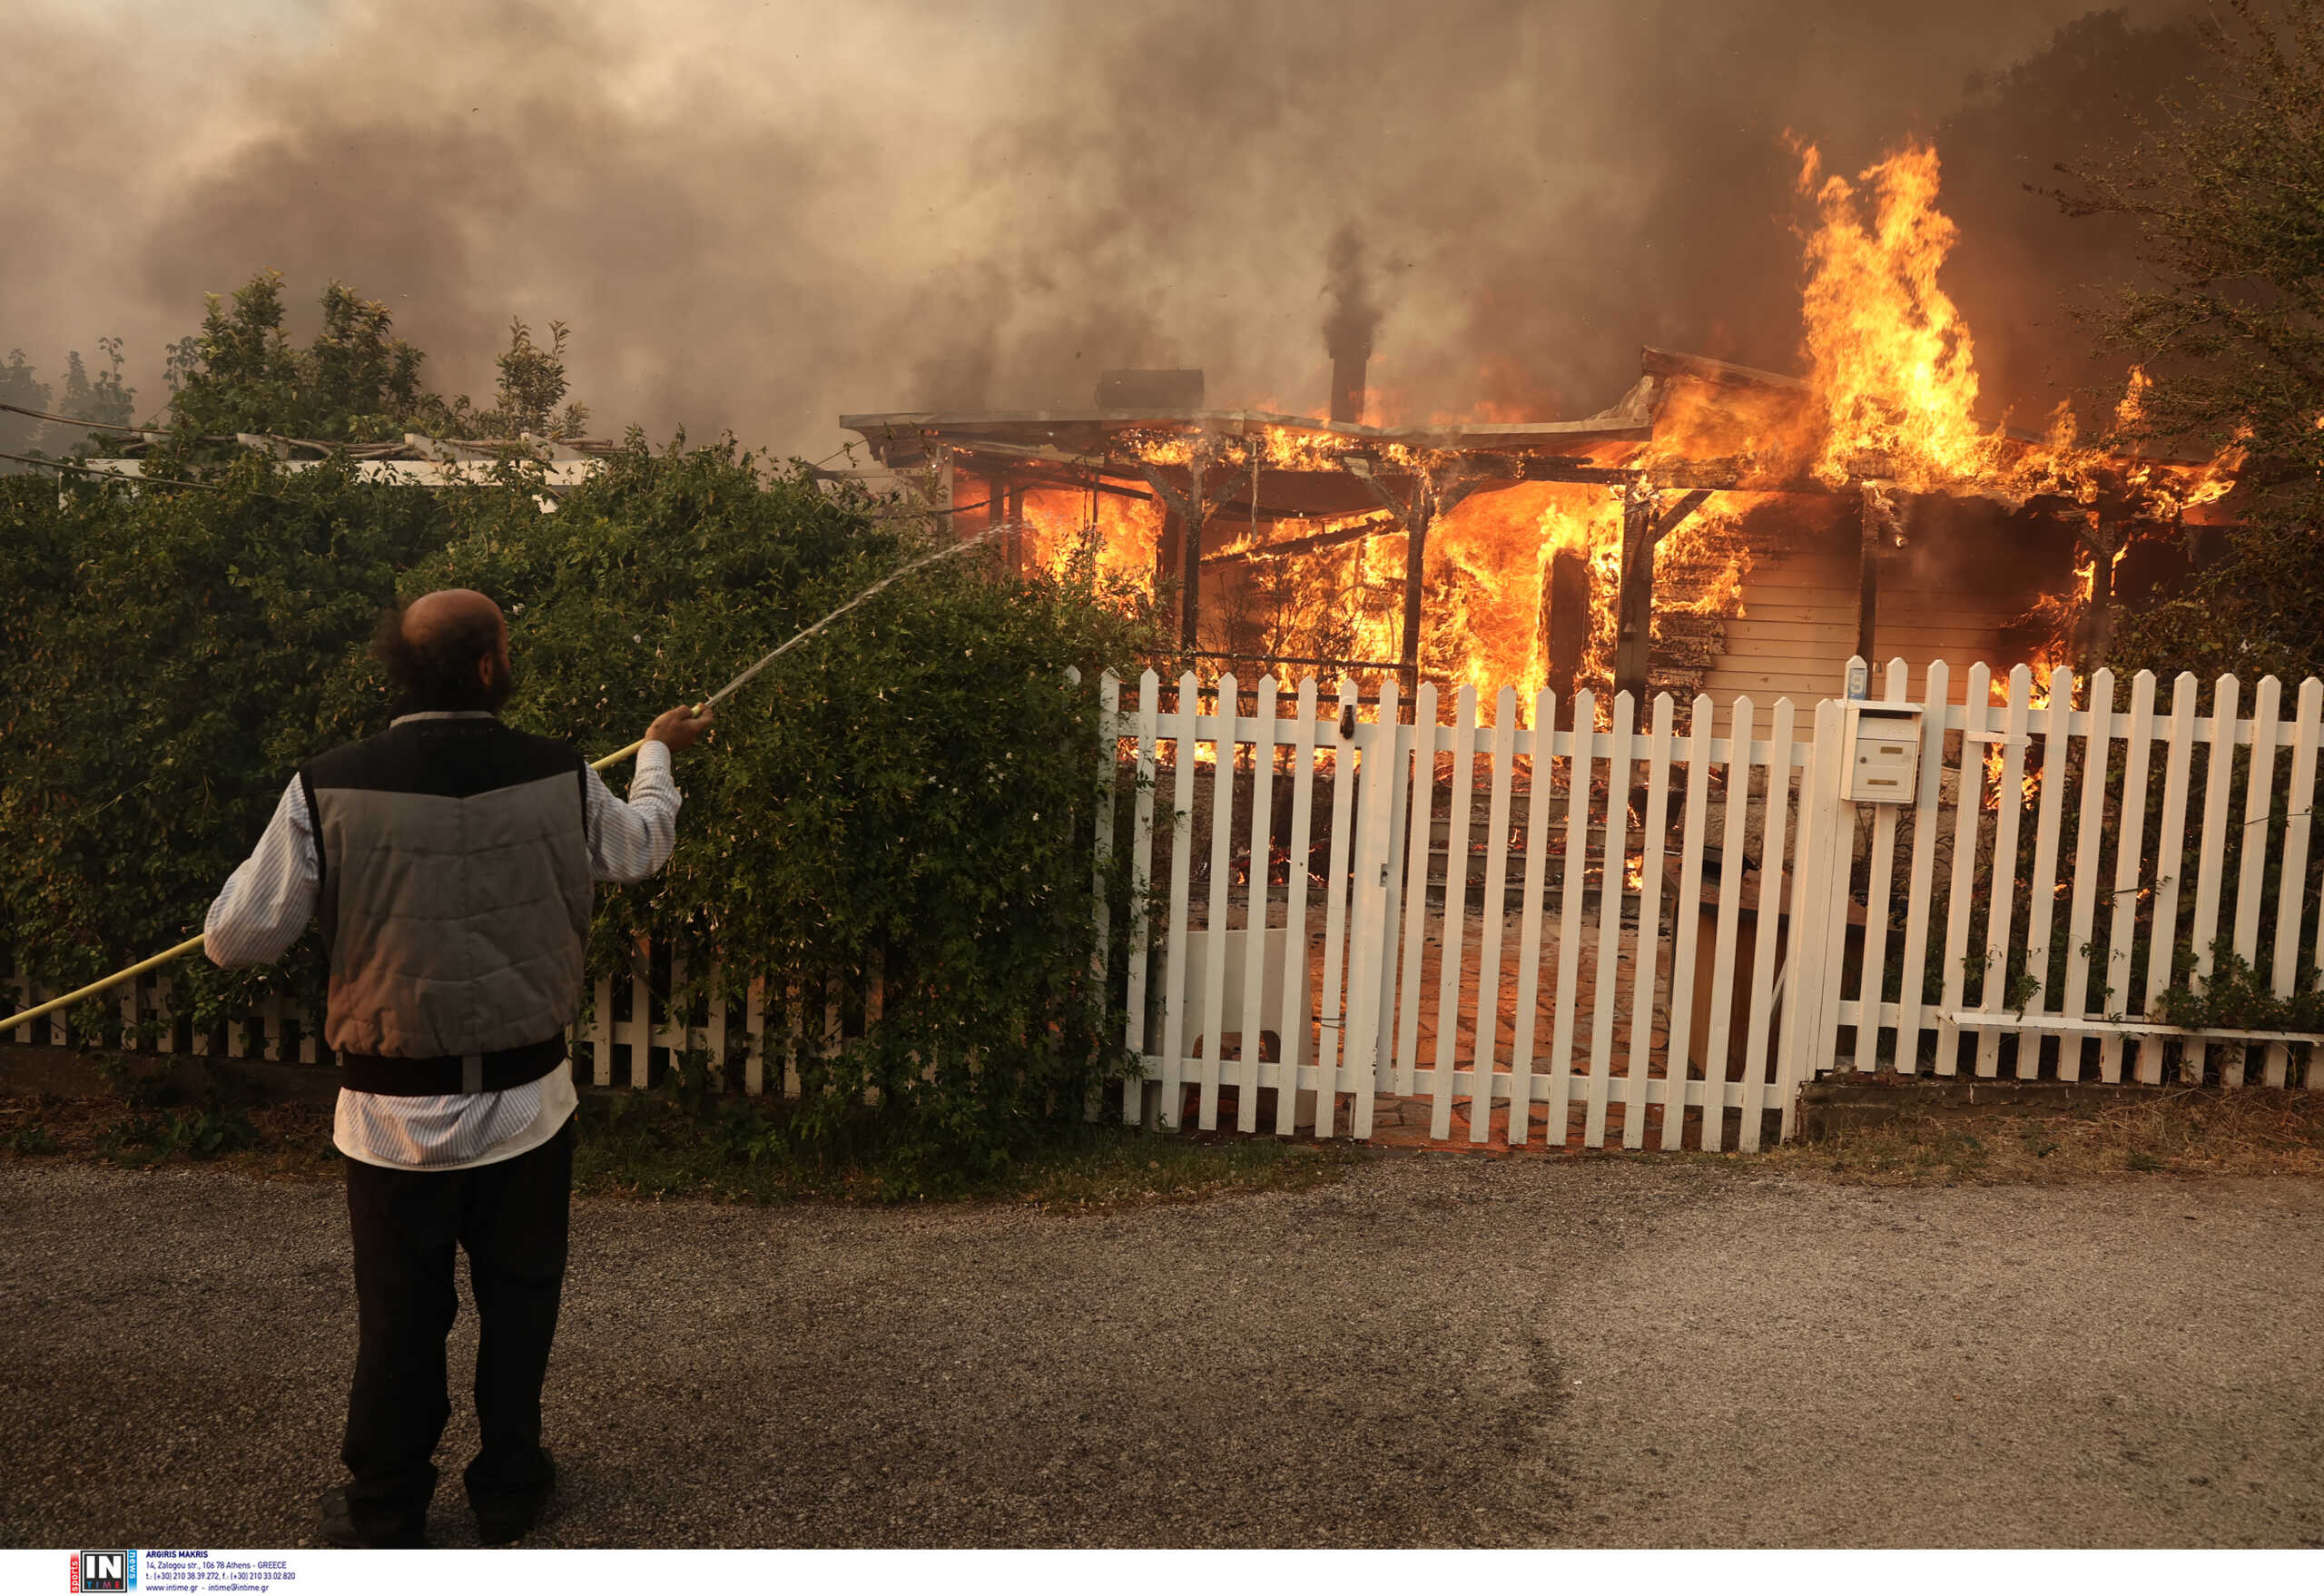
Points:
(2180, 1133)
(652, 1151)
(270, 1141)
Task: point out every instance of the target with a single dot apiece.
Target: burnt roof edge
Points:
(891, 423)
(1657, 362)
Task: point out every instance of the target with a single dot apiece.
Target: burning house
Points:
(1719, 529)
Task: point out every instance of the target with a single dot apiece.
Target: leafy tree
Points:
(360, 378)
(2223, 188)
(21, 385)
(2022, 267)
(357, 382)
(180, 360)
(532, 381)
(102, 399)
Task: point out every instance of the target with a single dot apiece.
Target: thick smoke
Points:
(2026, 275)
(756, 220)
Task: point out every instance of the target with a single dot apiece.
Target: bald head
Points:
(451, 612)
(447, 650)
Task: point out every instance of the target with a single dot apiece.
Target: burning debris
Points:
(1620, 549)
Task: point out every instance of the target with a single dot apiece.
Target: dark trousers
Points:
(510, 1216)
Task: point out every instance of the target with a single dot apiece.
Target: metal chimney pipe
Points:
(1349, 359)
(1348, 323)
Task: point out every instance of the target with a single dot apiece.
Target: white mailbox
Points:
(1884, 751)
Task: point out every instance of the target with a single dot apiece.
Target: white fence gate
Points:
(1554, 865)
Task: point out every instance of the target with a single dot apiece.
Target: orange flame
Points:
(1117, 536)
(1893, 366)
(1890, 358)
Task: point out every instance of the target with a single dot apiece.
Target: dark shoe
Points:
(507, 1520)
(337, 1527)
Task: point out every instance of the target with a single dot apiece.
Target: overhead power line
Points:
(114, 476)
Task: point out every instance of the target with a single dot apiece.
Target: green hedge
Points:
(912, 790)
(162, 665)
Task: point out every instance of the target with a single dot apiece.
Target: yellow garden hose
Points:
(616, 757)
(195, 941)
(94, 988)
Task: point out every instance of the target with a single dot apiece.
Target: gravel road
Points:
(1438, 1350)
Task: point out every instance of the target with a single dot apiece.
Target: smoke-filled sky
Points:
(756, 217)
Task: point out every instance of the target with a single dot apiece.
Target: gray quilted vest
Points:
(456, 887)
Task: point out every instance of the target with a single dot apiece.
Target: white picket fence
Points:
(1701, 1021)
(1376, 923)
(2098, 765)
(277, 1030)
(722, 1023)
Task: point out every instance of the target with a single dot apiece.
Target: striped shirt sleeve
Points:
(270, 896)
(629, 842)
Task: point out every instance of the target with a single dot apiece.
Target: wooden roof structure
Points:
(1219, 468)
(1323, 475)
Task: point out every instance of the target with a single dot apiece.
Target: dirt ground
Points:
(1437, 1349)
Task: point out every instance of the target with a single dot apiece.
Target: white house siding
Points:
(1798, 624)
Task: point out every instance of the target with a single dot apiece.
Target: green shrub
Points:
(2235, 996)
(211, 1132)
(910, 795)
(202, 1134)
(159, 679)
(31, 1141)
(137, 1090)
(904, 803)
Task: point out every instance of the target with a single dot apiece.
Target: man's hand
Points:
(678, 728)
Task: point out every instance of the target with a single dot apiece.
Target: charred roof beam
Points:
(1290, 546)
(1689, 503)
(1189, 508)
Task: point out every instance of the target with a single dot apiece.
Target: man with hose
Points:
(451, 860)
